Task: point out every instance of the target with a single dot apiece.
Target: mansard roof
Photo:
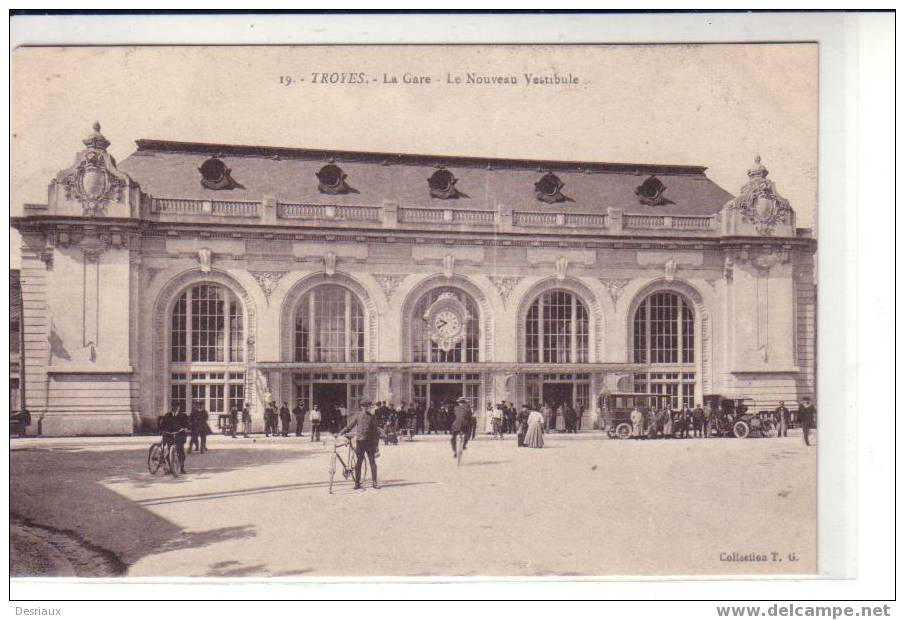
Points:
(171, 169)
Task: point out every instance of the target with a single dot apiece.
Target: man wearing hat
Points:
(462, 423)
(365, 438)
(807, 416)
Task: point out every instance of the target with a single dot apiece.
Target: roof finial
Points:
(96, 140)
(97, 128)
(758, 169)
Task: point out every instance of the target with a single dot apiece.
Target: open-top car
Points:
(735, 417)
(617, 408)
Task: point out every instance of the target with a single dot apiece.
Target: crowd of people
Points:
(456, 417)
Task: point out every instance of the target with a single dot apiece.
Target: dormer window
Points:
(650, 193)
(332, 180)
(549, 189)
(215, 175)
(442, 184)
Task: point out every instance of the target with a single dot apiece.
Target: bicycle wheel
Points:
(460, 448)
(173, 461)
(154, 458)
(333, 471)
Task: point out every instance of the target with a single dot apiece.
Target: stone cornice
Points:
(558, 238)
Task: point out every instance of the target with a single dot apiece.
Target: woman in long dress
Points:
(535, 436)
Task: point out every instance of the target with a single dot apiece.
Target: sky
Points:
(711, 105)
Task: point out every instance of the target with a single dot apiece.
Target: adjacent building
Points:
(227, 274)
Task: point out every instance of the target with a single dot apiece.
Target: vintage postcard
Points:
(323, 312)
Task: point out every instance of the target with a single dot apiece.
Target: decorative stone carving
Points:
(449, 264)
(759, 203)
(505, 285)
(388, 283)
(767, 260)
(669, 269)
(614, 287)
(151, 273)
(728, 268)
(94, 180)
(268, 281)
(330, 263)
(205, 258)
(92, 245)
(562, 266)
(712, 283)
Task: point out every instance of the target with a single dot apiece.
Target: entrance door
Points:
(556, 394)
(330, 397)
(443, 393)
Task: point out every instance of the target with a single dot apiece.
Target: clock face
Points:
(447, 323)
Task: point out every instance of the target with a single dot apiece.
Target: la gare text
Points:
(416, 79)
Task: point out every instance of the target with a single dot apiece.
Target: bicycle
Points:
(348, 464)
(166, 456)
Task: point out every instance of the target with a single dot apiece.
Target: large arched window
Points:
(207, 350)
(663, 338)
(206, 326)
(329, 326)
(424, 349)
(664, 330)
(556, 329)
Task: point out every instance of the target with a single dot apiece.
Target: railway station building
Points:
(228, 274)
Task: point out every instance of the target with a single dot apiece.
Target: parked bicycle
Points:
(164, 454)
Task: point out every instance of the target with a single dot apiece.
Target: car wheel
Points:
(741, 429)
(624, 431)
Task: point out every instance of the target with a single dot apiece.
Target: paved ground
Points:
(583, 505)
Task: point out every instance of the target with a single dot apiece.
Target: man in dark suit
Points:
(181, 425)
(782, 419)
(697, 416)
(285, 419)
(299, 413)
(807, 415)
(366, 438)
(521, 426)
(462, 423)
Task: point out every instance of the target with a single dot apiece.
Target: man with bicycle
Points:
(365, 438)
(462, 423)
(172, 431)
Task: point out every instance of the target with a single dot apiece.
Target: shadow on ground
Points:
(81, 501)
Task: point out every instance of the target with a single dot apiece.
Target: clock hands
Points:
(441, 323)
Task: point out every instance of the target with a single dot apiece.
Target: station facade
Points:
(225, 274)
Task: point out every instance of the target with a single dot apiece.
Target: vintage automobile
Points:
(735, 417)
(616, 408)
